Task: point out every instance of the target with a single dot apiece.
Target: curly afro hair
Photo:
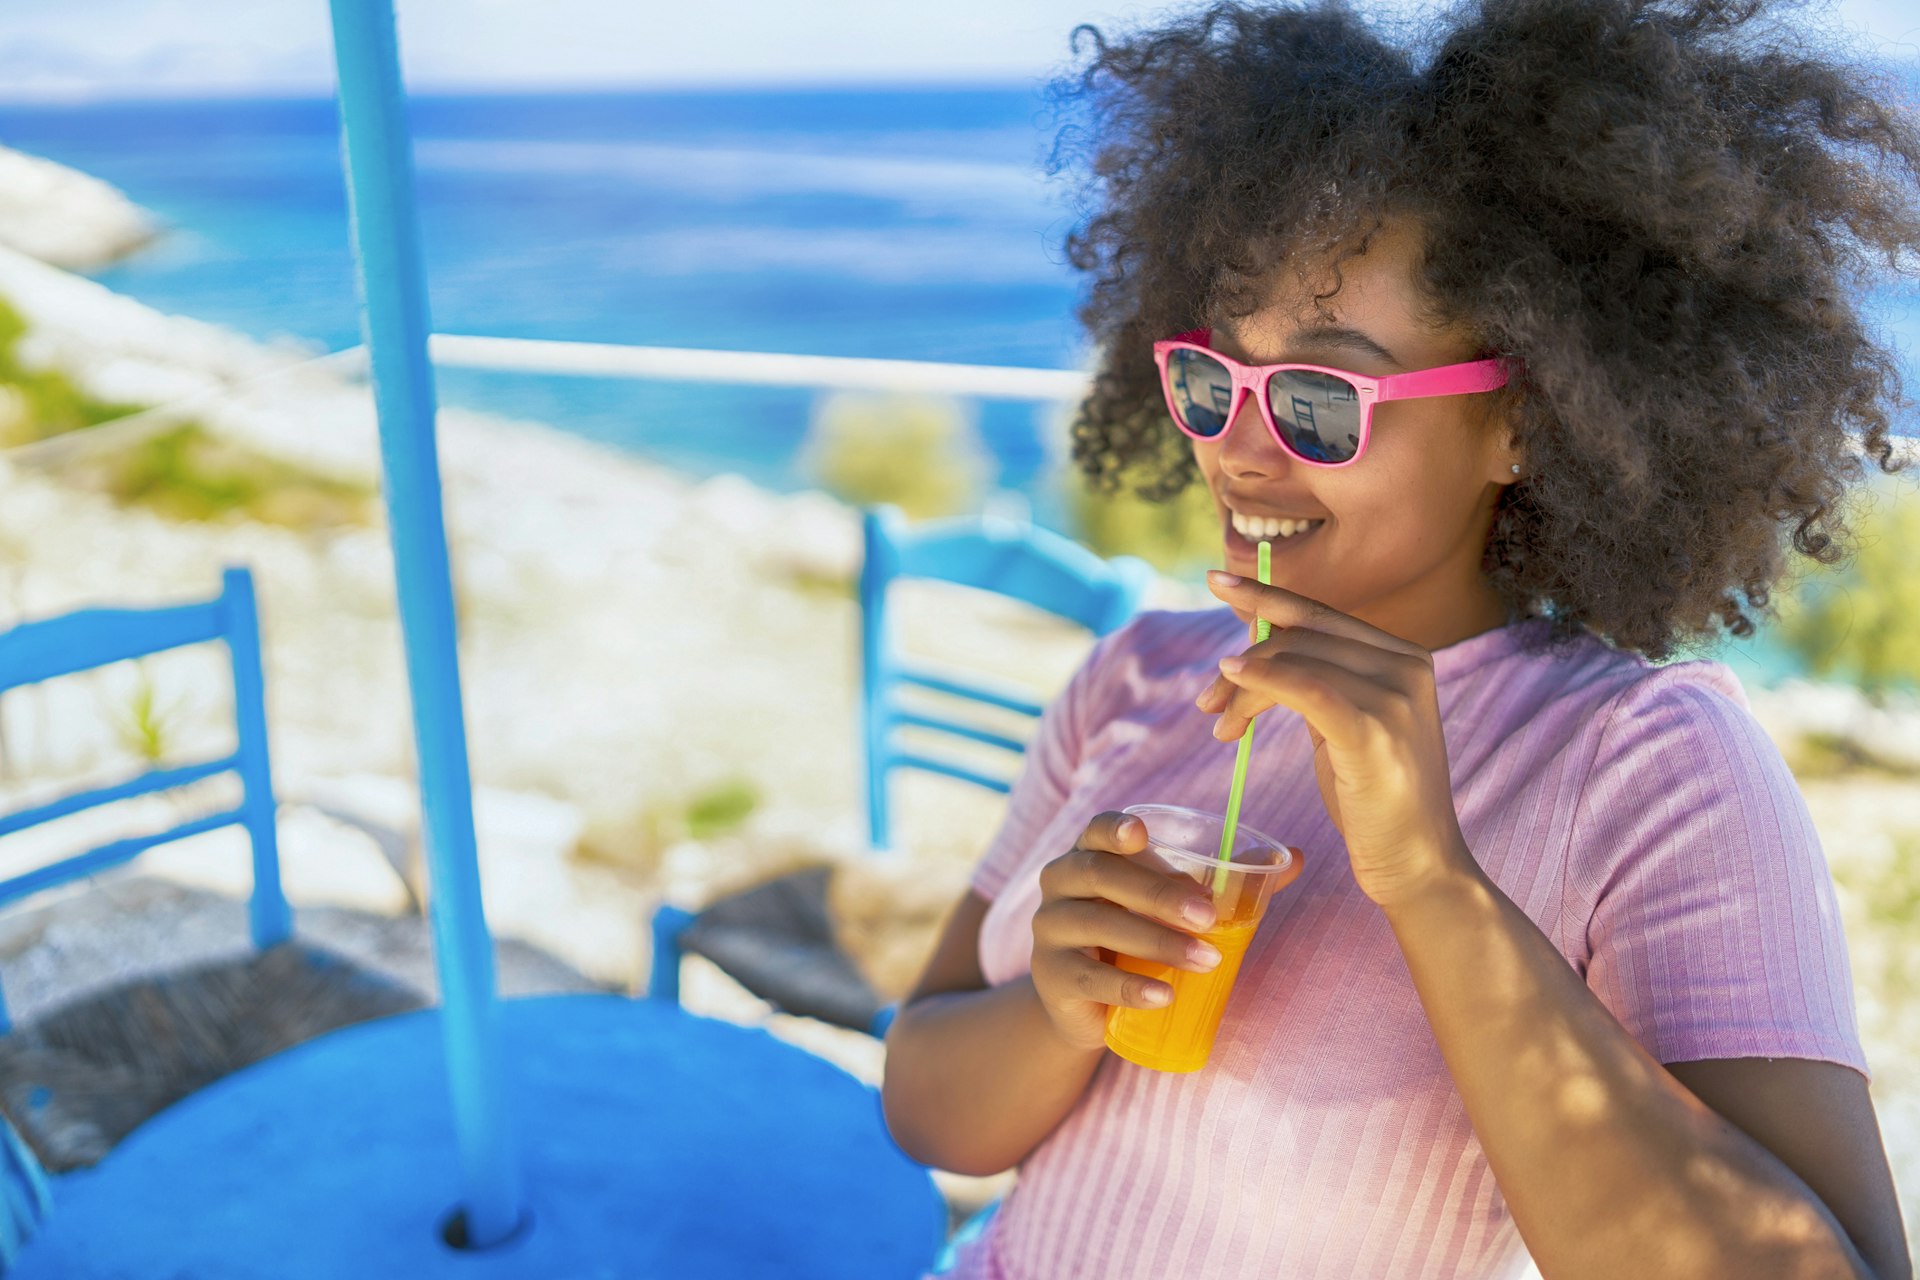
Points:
(1667, 210)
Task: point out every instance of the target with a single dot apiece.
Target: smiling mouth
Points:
(1244, 534)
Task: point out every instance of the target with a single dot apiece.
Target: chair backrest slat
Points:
(927, 764)
(36, 651)
(976, 690)
(1023, 562)
(75, 642)
(112, 854)
(1026, 563)
(143, 784)
(961, 729)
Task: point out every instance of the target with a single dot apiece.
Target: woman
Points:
(1563, 972)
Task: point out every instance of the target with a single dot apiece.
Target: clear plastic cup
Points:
(1178, 1036)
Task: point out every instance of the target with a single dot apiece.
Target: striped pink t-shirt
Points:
(1638, 814)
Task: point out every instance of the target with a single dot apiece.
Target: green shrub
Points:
(921, 453)
(636, 839)
(36, 404)
(721, 808)
(1860, 620)
(187, 473)
(143, 726)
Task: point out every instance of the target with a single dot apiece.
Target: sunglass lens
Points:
(1201, 389)
(1318, 413)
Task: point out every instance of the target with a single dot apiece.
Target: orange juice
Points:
(1179, 1036)
(1185, 844)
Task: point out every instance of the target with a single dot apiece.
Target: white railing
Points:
(612, 360)
(756, 368)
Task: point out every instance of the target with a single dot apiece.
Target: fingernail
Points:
(1157, 995)
(1232, 665)
(1197, 912)
(1221, 579)
(1202, 953)
(1129, 827)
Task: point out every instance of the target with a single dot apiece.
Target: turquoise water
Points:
(916, 225)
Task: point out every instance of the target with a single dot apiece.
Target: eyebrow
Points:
(1338, 335)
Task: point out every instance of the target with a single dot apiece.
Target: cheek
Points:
(1207, 458)
(1419, 479)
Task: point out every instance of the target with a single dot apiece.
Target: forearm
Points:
(975, 1079)
(1608, 1164)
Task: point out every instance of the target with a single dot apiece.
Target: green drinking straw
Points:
(1260, 631)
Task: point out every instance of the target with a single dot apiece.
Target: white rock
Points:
(819, 536)
(64, 217)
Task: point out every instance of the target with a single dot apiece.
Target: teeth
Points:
(1254, 528)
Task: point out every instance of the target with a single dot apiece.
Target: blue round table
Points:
(653, 1144)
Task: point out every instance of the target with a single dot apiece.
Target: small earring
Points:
(1516, 468)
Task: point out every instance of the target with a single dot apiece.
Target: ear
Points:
(1507, 455)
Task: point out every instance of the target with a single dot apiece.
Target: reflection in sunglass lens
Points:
(1318, 413)
(1202, 391)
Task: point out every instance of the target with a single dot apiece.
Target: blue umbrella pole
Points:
(386, 233)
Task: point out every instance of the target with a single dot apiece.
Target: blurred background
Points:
(655, 577)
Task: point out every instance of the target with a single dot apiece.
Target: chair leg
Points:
(878, 563)
(882, 1020)
(269, 917)
(268, 913)
(879, 830)
(969, 1231)
(669, 923)
(25, 1198)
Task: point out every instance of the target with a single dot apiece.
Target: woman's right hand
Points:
(1098, 898)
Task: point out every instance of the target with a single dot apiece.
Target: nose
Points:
(1248, 449)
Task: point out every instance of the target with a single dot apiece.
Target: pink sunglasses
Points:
(1320, 416)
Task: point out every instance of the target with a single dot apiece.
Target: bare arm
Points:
(1817, 1117)
(1610, 1165)
(976, 1076)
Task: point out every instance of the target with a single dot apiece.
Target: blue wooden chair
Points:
(1022, 561)
(776, 938)
(42, 650)
(219, 1182)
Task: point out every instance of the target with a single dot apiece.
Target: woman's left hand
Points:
(1373, 715)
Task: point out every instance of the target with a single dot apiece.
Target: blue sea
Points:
(908, 224)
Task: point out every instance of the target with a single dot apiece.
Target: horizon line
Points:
(907, 82)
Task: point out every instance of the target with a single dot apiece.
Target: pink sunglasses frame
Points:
(1445, 380)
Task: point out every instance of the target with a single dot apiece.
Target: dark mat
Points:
(776, 939)
(81, 1076)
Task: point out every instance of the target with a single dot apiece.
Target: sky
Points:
(143, 48)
